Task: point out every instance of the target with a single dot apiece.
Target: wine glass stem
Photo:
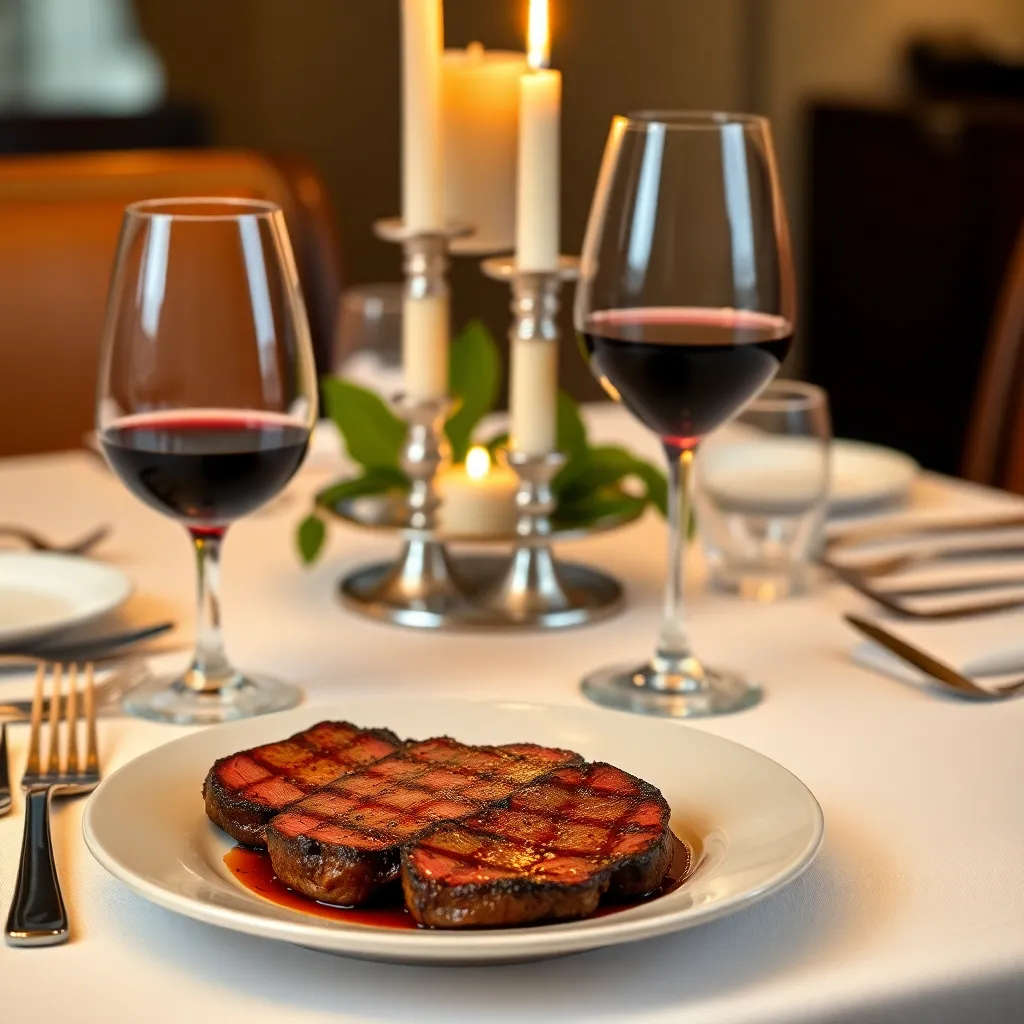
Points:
(211, 671)
(673, 655)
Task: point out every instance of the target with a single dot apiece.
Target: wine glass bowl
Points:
(206, 401)
(685, 311)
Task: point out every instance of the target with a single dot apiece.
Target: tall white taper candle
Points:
(424, 317)
(533, 387)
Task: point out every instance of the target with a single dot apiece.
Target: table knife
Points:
(921, 660)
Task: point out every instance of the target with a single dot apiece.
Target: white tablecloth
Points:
(913, 911)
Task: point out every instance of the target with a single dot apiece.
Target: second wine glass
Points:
(685, 310)
(207, 397)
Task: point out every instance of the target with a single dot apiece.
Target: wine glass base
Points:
(164, 700)
(646, 691)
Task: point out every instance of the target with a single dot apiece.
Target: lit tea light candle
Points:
(478, 497)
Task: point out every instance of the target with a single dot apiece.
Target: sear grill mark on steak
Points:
(344, 842)
(550, 854)
(245, 790)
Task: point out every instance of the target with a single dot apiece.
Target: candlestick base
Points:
(532, 586)
(593, 596)
(422, 583)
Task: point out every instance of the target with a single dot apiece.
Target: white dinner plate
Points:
(865, 476)
(757, 827)
(43, 592)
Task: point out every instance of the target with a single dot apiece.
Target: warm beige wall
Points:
(826, 48)
(322, 77)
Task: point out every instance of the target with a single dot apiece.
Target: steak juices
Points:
(479, 836)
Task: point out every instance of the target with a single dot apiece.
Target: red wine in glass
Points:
(685, 306)
(207, 467)
(684, 371)
(207, 397)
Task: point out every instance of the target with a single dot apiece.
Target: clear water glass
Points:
(761, 490)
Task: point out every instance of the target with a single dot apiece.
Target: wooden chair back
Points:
(994, 453)
(59, 223)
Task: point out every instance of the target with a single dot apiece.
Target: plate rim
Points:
(479, 946)
(113, 572)
(879, 496)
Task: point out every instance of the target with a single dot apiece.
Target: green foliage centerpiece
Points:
(596, 482)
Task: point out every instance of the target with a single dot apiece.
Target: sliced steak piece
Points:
(549, 855)
(344, 842)
(244, 791)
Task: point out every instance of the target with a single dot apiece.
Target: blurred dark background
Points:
(899, 126)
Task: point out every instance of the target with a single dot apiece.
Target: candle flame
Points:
(539, 36)
(478, 462)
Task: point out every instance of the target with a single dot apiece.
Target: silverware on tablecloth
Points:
(89, 648)
(38, 916)
(5, 779)
(892, 599)
(37, 542)
(866, 576)
(938, 672)
(108, 695)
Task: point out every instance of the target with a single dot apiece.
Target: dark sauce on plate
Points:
(253, 870)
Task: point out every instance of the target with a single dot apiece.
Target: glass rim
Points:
(691, 120)
(789, 396)
(242, 207)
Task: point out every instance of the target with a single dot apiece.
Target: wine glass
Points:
(207, 397)
(685, 310)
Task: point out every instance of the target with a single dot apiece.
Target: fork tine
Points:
(72, 720)
(92, 760)
(53, 762)
(32, 766)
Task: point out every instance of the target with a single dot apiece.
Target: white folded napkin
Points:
(989, 649)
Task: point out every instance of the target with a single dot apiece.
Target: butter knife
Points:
(937, 671)
(5, 781)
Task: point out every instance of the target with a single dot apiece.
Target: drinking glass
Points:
(761, 493)
(207, 397)
(685, 310)
(369, 327)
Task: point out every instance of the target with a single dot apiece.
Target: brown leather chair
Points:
(994, 453)
(59, 223)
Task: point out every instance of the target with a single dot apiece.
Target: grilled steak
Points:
(550, 854)
(341, 844)
(244, 791)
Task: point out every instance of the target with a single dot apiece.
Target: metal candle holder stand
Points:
(421, 588)
(428, 588)
(535, 589)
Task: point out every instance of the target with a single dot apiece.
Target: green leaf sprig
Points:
(596, 481)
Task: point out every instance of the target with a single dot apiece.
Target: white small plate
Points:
(867, 475)
(758, 827)
(42, 593)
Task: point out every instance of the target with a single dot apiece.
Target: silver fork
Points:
(38, 916)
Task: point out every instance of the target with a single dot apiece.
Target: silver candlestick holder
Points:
(535, 589)
(422, 587)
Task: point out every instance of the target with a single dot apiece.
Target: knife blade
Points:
(921, 660)
(101, 648)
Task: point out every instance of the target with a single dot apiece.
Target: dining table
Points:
(912, 911)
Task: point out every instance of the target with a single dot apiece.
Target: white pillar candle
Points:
(477, 498)
(533, 395)
(481, 129)
(422, 129)
(540, 103)
(425, 346)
